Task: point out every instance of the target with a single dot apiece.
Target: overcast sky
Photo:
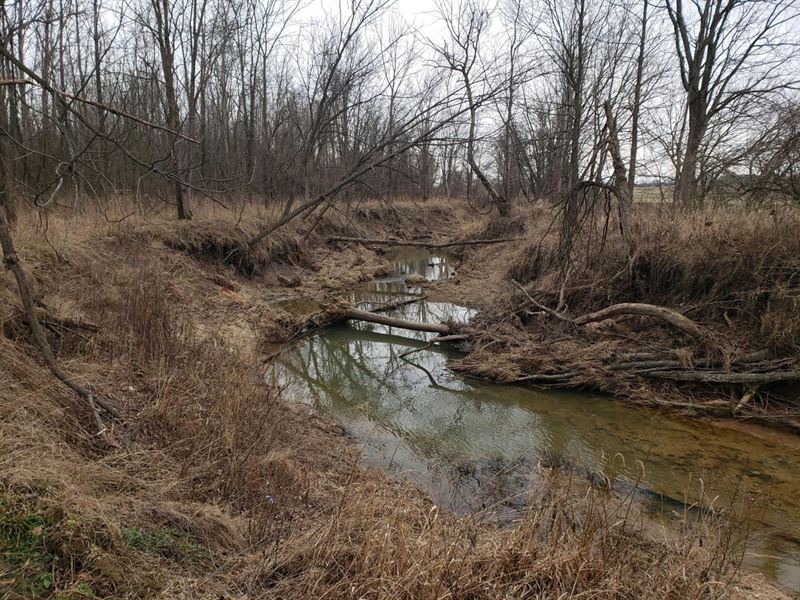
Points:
(422, 14)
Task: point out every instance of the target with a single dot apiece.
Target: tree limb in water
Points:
(370, 317)
(422, 244)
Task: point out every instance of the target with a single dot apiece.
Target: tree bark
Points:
(637, 101)
(672, 317)
(370, 317)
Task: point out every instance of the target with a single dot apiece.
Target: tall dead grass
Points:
(571, 543)
(723, 267)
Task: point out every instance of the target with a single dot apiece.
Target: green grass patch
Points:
(169, 542)
(25, 545)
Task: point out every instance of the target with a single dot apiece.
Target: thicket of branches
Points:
(279, 99)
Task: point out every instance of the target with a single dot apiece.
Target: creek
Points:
(473, 445)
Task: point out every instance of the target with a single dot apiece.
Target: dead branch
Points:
(460, 337)
(667, 315)
(101, 106)
(540, 306)
(722, 377)
(13, 264)
(746, 398)
(370, 317)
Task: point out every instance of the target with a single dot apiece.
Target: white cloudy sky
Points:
(422, 14)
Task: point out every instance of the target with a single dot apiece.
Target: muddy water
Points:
(475, 446)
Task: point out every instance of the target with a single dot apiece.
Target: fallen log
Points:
(672, 317)
(552, 378)
(459, 337)
(422, 244)
(370, 317)
(722, 377)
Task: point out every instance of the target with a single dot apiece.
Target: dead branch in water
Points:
(370, 317)
(421, 244)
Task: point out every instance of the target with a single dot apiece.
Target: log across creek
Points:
(371, 317)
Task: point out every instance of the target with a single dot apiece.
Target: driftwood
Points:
(676, 319)
(459, 337)
(422, 244)
(722, 377)
(667, 315)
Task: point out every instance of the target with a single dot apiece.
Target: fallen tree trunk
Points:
(667, 315)
(370, 317)
(721, 377)
(672, 317)
(422, 244)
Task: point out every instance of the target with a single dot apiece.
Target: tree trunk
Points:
(637, 102)
(502, 203)
(686, 191)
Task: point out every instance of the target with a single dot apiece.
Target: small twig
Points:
(102, 430)
(561, 304)
(540, 306)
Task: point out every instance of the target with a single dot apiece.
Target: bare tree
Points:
(728, 52)
(466, 22)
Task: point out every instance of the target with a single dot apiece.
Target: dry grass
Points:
(571, 543)
(719, 266)
(218, 489)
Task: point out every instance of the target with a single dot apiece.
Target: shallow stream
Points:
(473, 445)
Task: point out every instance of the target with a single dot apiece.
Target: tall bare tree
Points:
(728, 52)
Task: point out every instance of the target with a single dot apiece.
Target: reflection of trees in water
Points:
(421, 263)
(357, 366)
(361, 366)
(472, 444)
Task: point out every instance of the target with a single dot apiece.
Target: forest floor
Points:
(210, 485)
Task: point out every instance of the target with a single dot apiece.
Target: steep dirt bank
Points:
(214, 487)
